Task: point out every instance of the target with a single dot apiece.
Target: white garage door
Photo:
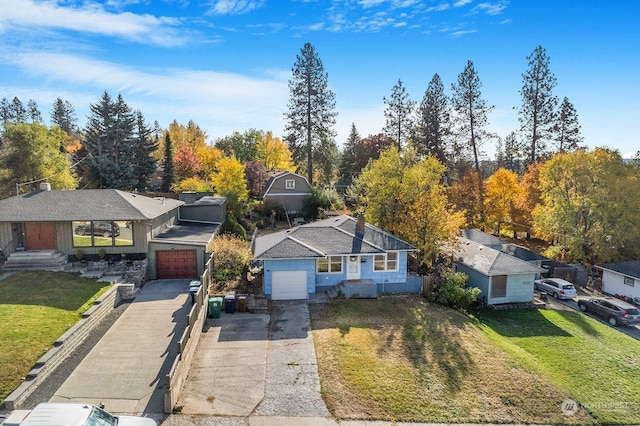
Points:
(289, 285)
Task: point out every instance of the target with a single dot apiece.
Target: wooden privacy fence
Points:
(430, 283)
(188, 342)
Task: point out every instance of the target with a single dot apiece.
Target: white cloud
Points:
(461, 3)
(370, 3)
(489, 8)
(91, 18)
(439, 8)
(235, 7)
(218, 101)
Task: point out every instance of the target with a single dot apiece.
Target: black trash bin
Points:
(230, 304)
(194, 286)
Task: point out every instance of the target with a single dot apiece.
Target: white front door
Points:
(353, 267)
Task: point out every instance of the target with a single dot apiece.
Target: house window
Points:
(102, 233)
(628, 281)
(499, 286)
(290, 184)
(329, 264)
(386, 262)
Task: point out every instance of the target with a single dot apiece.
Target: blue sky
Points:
(225, 64)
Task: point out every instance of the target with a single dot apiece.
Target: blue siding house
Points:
(503, 278)
(343, 253)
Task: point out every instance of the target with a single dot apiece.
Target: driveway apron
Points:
(227, 372)
(292, 381)
(126, 369)
(254, 365)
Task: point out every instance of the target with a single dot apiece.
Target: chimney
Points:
(360, 223)
(45, 186)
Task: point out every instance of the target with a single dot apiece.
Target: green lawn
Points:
(598, 365)
(403, 359)
(35, 309)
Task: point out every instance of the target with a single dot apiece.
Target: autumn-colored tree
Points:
(463, 195)
(193, 184)
(190, 135)
(229, 181)
(274, 153)
(405, 196)
(186, 163)
(208, 157)
(526, 199)
(501, 189)
(257, 177)
(369, 148)
(589, 206)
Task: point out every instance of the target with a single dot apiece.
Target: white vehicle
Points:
(75, 414)
(557, 287)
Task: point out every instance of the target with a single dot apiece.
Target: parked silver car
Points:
(557, 287)
(615, 311)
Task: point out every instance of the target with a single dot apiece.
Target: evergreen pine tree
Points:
(33, 112)
(168, 173)
(434, 122)
(311, 114)
(471, 111)
(146, 144)
(399, 115)
(110, 144)
(567, 127)
(19, 113)
(537, 113)
(348, 158)
(63, 115)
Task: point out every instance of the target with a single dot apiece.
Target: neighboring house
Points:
(504, 246)
(339, 251)
(288, 190)
(621, 278)
(110, 222)
(501, 277)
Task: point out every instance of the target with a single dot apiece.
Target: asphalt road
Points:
(572, 304)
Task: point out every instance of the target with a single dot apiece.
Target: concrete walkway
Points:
(127, 367)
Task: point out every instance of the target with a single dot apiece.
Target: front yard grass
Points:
(403, 359)
(36, 308)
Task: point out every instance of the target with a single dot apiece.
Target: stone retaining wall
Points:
(68, 342)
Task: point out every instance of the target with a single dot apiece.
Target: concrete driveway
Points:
(256, 365)
(126, 369)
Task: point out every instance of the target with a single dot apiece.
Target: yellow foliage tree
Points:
(527, 199)
(229, 181)
(275, 154)
(193, 184)
(404, 195)
(501, 190)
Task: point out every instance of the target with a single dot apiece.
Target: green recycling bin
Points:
(215, 306)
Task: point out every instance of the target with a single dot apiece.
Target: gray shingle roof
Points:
(489, 261)
(333, 236)
(630, 268)
(81, 205)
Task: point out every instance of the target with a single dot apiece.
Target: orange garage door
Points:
(176, 264)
